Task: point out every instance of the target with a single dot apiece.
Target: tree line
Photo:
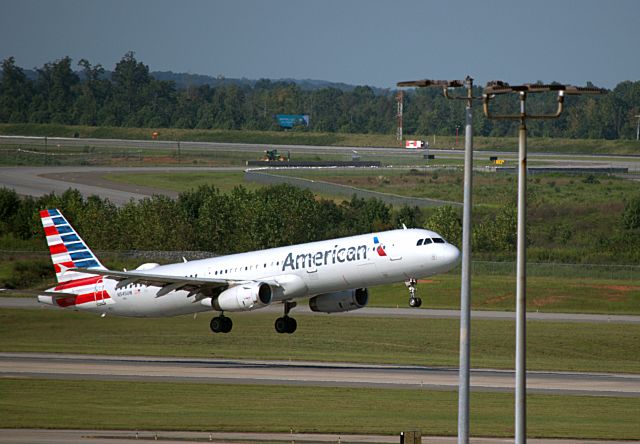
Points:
(204, 219)
(132, 97)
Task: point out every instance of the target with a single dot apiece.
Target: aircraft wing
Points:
(205, 287)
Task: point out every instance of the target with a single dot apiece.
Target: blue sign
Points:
(291, 120)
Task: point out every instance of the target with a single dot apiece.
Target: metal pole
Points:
(638, 129)
(521, 279)
(492, 89)
(465, 291)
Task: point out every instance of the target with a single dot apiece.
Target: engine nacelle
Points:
(243, 297)
(340, 301)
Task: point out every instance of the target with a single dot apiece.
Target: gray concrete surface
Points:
(301, 373)
(28, 436)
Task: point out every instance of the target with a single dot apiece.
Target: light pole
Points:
(638, 128)
(465, 288)
(491, 90)
(457, 130)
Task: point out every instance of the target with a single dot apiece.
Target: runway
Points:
(299, 373)
(30, 436)
(576, 159)
(38, 181)
(32, 303)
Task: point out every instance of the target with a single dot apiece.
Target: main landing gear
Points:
(286, 324)
(414, 301)
(221, 324)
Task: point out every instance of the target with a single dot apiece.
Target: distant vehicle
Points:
(274, 156)
(333, 273)
(416, 144)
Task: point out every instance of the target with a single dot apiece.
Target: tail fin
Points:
(67, 249)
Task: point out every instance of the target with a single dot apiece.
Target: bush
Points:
(29, 273)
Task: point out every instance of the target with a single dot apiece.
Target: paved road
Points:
(240, 371)
(30, 436)
(31, 303)
(608, 160)
(38, 181)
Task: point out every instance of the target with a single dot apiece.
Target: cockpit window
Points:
(427, 241)
(437, 240)
(419, 242)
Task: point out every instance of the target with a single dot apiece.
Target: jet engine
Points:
(340, 301)
(243, 297)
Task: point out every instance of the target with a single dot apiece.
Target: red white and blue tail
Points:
(67, 249)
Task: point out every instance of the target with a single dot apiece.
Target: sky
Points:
(360, 42)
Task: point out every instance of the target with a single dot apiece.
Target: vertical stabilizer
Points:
(67, 249)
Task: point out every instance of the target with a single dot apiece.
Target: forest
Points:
(85, 94)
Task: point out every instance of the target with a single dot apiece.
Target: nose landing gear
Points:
(414, 301)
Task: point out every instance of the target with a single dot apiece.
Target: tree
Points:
(130, 79)
(93, 93)
(15, 93)
(446, 221)
(57, 86)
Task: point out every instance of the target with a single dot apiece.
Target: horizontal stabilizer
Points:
(54, 294)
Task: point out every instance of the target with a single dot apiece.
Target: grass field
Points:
(334, 338)
(490, 189)
(180, 182)
(209, 407)
(544, 293)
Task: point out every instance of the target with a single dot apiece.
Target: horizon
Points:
(375, 43)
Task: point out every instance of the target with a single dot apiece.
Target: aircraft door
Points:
(99, 293)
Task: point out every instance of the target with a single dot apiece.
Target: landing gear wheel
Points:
(292, 325)
(227, 325)
(221, 324)
(286, 324)
(414, 301)
(281, 325)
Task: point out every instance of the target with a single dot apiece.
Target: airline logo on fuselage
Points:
(336, 255)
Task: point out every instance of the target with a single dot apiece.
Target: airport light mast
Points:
(492, 90)
(465, 290)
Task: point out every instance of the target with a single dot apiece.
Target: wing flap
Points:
(168, 283)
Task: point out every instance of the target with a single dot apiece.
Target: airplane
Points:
(334, 274)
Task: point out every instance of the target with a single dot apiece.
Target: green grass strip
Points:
(214, 407)
(600, 347)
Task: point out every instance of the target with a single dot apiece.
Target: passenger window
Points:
(438, 240)
(427, 241)
(419, 242)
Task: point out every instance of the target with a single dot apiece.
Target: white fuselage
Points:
(306, 270)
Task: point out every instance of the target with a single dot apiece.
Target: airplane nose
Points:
(452, 255)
